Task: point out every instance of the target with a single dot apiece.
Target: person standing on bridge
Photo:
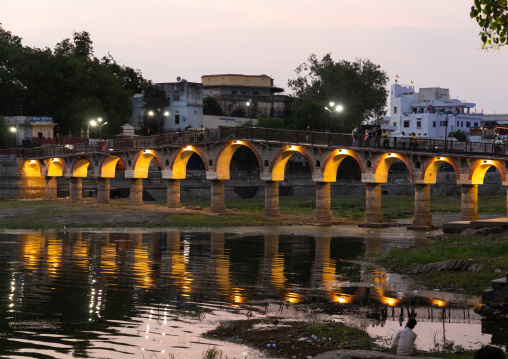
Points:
(414, 141)
(386, 139)
(403, 140)
(405, 338)
(202, 133)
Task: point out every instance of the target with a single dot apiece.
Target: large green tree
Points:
(492, 16)
(359, 86)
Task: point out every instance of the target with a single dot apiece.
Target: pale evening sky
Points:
(432, 42)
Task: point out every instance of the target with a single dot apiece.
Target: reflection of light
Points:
(390, 301)
(341, 299)
(292, 298)
(438, 302)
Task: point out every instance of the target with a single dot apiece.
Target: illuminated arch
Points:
(55, 167)
(224, 156)
(429, 172)
(108, 166)
(281, 158)
(142, 162)
(385, 162)
(179, 164)
(477, 173)
(332, 163)
(80, 167)
(32, 168)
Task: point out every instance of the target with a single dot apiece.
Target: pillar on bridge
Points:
(173, 193)
(373, 214)
(103, 190)
(271, 209)
(218, 204)
(51, 188)
(136, 192)
(422, 219)
(469, 202)
(322, 212)
(76, 188)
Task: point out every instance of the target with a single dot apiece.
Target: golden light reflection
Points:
(390, 301)
(237, 295)
(342, 298)
(438, 302)
(292, 298)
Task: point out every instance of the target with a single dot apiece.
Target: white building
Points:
(30, 127)
(426, 112)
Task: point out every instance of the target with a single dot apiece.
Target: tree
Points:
(271, 122)
(492, 16)
(4, 133)
(459, 135)
(211, 106)
(359, 86)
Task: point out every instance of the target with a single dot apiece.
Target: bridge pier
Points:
(422, 219)
(51, 188)
(373, 213)
(136, 192)
(103, 190)
(322, 212)
(173, 193)
(469, 202)
(76, 188)
(218, 204)
(271, 209)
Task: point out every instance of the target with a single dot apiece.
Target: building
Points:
(429, 113)
(28, 128)
(234, 91)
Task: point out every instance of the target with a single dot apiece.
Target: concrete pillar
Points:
(173, 193)
(103, 192)
(271, 209)
(136, 192)
(422, 219)
(51, 188)
(373, 214)
(469, 202)
(76, 188)
(322, 212)
(218, 204)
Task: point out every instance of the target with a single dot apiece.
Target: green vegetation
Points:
(491, 252)
(492, 16)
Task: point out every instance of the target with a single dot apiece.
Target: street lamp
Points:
(98, 123)
(337, 108)
(14, 131)
(249, 103)
(165, 114)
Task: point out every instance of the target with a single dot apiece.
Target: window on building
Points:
(255, 93)
(476, 124)
(442, 123)
(433, 123)
(243, 92)
(461, 123)
(177, 119)
(406, 123)
(418, 124)
(395, 124)
(176, 96)
(234, 92)
(395, 109)
(468, 124)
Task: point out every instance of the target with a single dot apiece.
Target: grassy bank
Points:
(491, 252)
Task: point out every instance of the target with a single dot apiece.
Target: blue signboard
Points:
(42, 118)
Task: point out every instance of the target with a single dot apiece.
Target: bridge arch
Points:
(431, 167)
(55, 167)
(333, 161)
(80, 167)
(142, 162)
(108, 164)
(282, 157)
(223, 161)
(179, 163)
(32, 168)
(384, 163)
(480, 168)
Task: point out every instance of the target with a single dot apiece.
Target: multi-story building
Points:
(429, 113)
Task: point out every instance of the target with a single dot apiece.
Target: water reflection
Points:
(92, 294)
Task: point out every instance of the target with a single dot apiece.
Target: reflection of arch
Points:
(429, 172)
(383, 166)
(80, 167)
(56, 168)
(282, 157)
(332, 163)
(142, 162)
(32, 168)
(108, 166)
(477, 173)
(226, 153)
(179, 164)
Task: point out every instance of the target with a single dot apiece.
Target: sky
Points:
(433, 43)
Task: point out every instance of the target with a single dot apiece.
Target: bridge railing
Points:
(259, 134)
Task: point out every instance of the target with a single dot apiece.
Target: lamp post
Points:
(165, 114)
(99, 124)
(14, 131)
(333, 109)
(446, 113)
(249, 103)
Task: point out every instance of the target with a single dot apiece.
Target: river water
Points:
(150, 294)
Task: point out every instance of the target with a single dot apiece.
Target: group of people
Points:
(379, 134)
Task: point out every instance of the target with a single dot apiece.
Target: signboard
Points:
(42, 118)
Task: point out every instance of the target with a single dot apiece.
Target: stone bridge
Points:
(273, 148)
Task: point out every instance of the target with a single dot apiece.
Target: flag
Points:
(148, 130)
(412, 82)
(475, 109)
(423, 96)
(397, 76)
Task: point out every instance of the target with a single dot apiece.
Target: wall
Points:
(243, 80)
